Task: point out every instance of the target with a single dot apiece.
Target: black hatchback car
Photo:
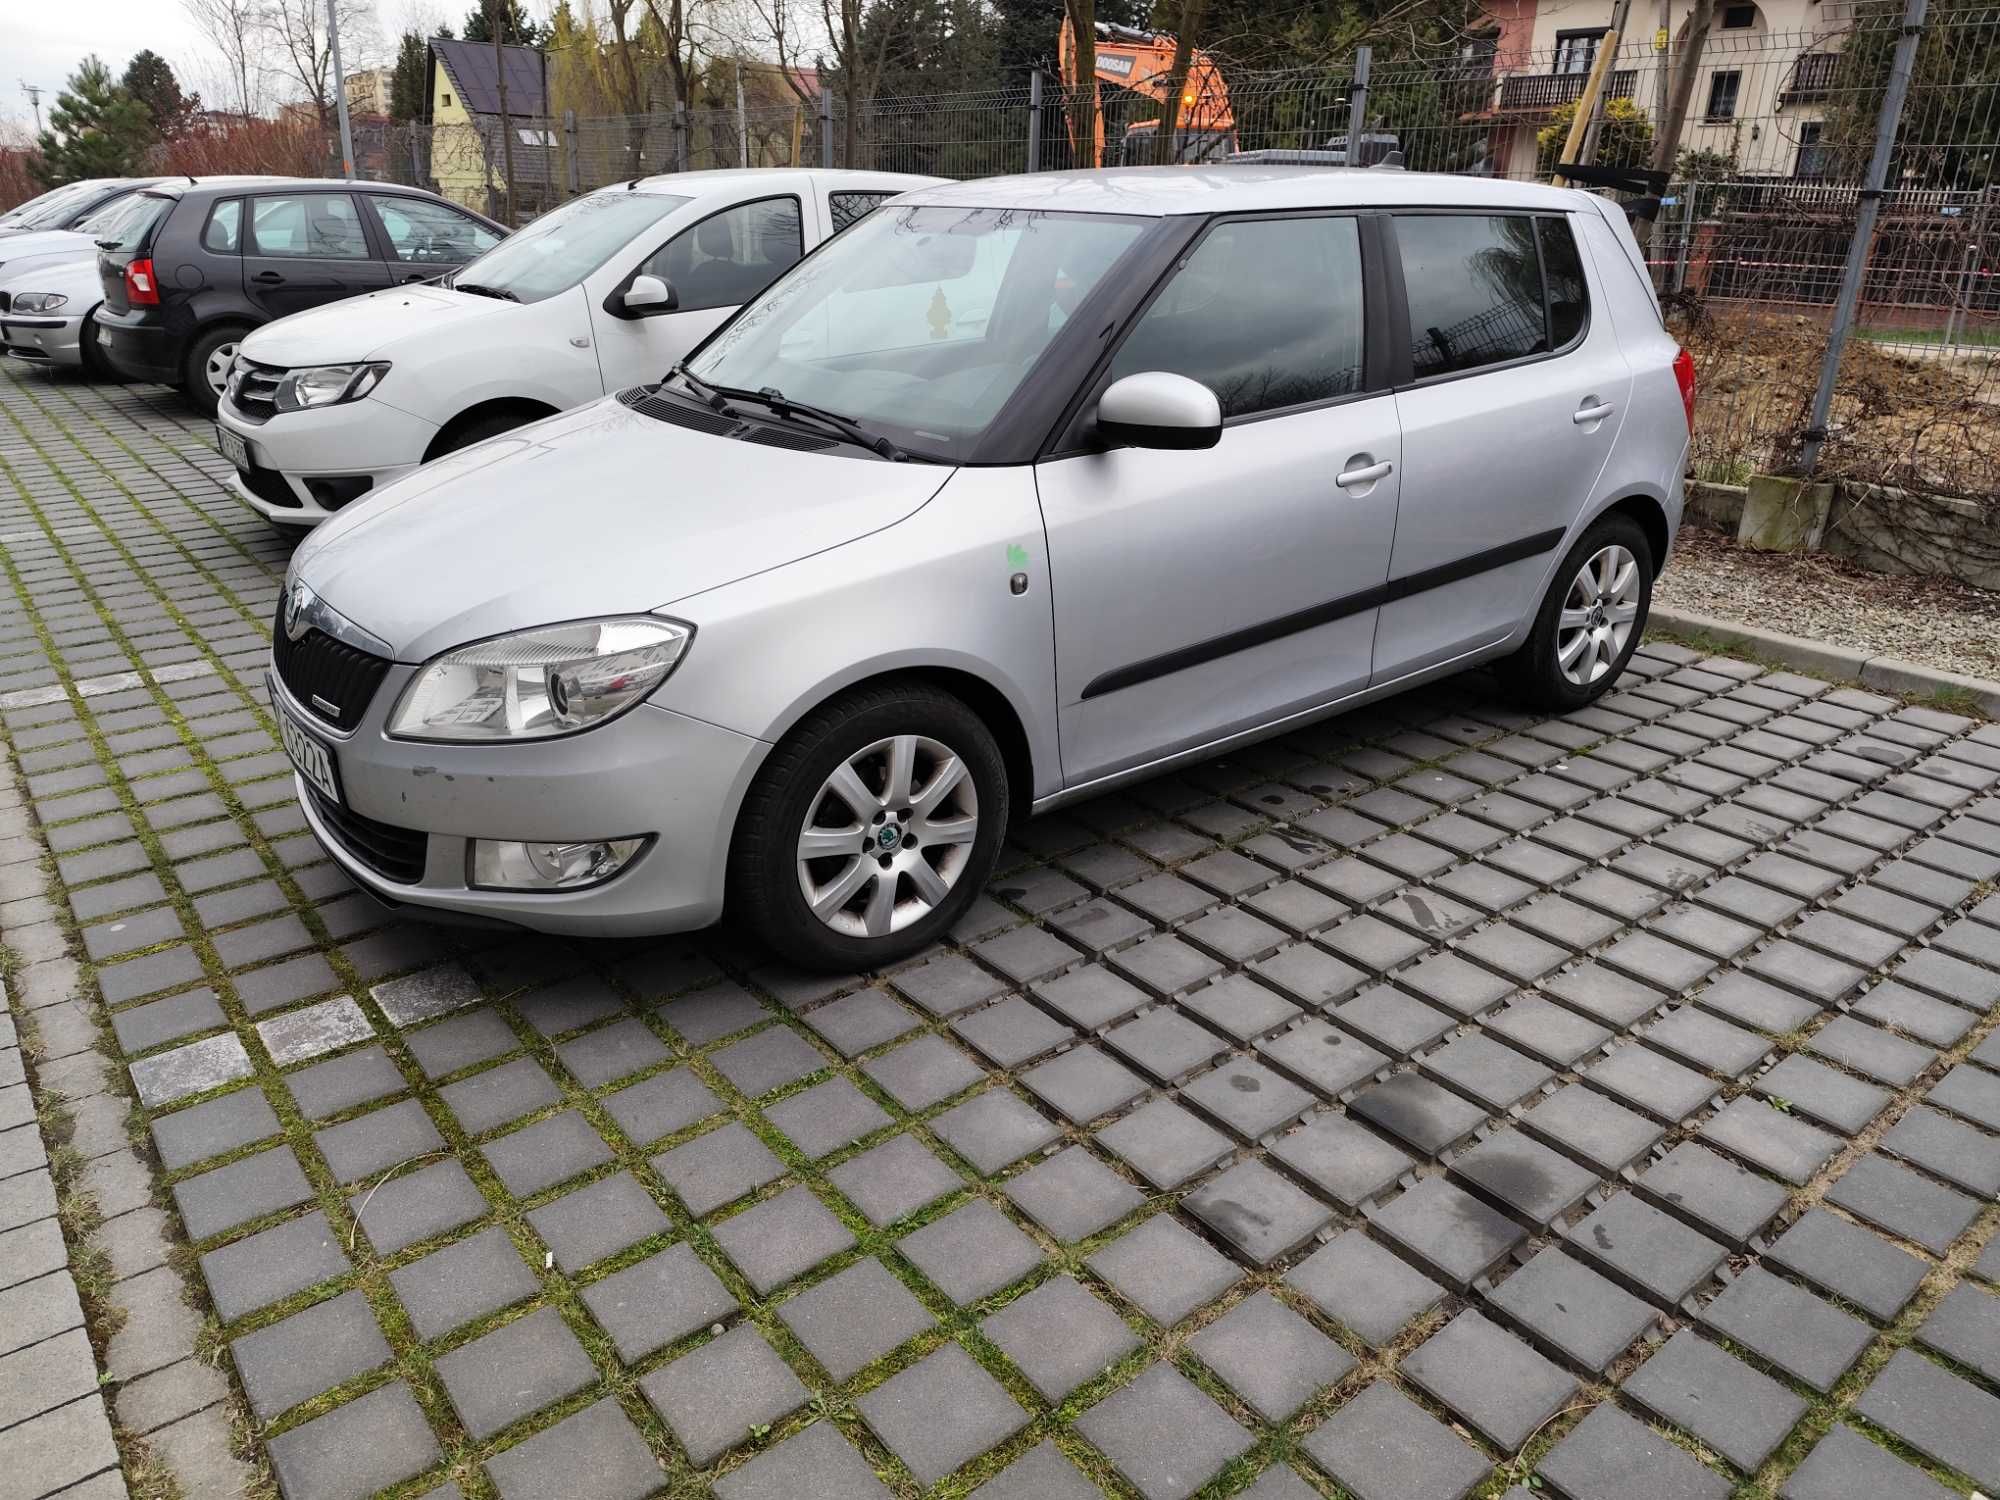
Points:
(184, 283)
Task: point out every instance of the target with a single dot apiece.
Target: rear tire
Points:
(870, 829)
(95, 365)
(1590, 621)
(207, 358)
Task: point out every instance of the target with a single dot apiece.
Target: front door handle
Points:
(1592, 411)
(1349, 478)
(269, 278)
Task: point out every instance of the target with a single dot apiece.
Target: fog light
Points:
(502, 864)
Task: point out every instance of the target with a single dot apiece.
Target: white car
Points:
(606, 292)
(45, 312)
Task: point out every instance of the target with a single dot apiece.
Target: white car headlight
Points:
(327, 385)
(39, 302)
(537, 684)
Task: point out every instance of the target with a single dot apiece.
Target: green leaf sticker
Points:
(1017, 556)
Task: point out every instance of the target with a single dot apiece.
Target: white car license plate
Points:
(313, 759)
(233, 447)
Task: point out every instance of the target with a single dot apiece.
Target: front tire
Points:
(95, 366)
(1590, 621)
(871, 828)
(205, 367)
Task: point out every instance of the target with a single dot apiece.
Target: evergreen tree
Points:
(410, 83)
(95, 130)
(517, 28)
(150, 80)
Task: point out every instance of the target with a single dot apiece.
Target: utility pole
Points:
(742, 121)
(1357, 103)
(339, 92)
(497, 10)
(1663, 41)
(34, 93)
(1868, 210)
(1034, 119)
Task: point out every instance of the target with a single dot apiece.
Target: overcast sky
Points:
(45, 41)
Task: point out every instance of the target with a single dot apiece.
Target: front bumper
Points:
(297, 454)
(136, 349)
(43, 338)
(651, 771)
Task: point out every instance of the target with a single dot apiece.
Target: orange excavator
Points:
(1143, 62)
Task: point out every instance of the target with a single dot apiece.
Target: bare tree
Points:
(239, 32)
(1693, 39)
(1192, 14)
(303, 44)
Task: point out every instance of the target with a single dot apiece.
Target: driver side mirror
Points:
(642, 297)
(1156, 409)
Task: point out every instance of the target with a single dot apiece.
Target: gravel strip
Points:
(1934, 622)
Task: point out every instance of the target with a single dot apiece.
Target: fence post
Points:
(680, 136)
(1868, 209)
(1357, 104)
(742, 121)
(1034, 119)
(572, 179)
(825, 125)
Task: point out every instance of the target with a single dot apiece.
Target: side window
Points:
(1569, 293)
(430, 233)
(1474, 284)
(224, 231)
(730, 257)
(1266, 313)
(315, 226)
(851, 208)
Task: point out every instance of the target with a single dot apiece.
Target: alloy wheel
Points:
(887, 836)
(1598, 615)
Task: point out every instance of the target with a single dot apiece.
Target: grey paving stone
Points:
(1351, 1165)
(1482, 1069)
(1091, 998)
(166, 1396)
(1073, 1195)
(1165, 1270)
(31, 1251)
(1309, 975)
(1162, 1434)
(1605, 996)
(1938, 1414)
(1703, 1041)
(1610, 1455)
(356, 1449)
(159, 1329)
(860, 1022)
(1524, 1176)
(658, 1301)
(781, 1238)
(971, 1252)
(1449, 1231)
(817, 1462)
(946, 986)
(717, 1168)
(1239, 1006)
(1647, 1249)
(1969, 1093)
(1822, 1093)
(518, 1368)
(1950, 1149)
(1426, 1116)
(767, 1060)
(1011, 1032)
(1644, 1079)
(1383, 1446)
(1720, 1198)
(708, 1015)
(540, 1155)
(193, 1068)
(1850, 1263)
(1248, 1097)
(612, 1052)
(1892, 1197)
(426, 995)
(1966, 1327)
(1783, 1146)
(712, 1398)
(1794, 1330)
(373, 1143)
(597, 1454)
(1258, 1212)
(1491, 1379)
(1326, 1057)
(660, 1105)
(1270, 1356)
(1846, 1466)
(850, 1320)
(460, 1042)
(993, 1129)
(1741, 1413)
(1570, 1308)
(165, 970)
(307, 1353)
(1928, 1020)
(212, 1127)
(1028, 953)
(940, 1413)
(156, 1022)
(1558, 1036)
(895, 1178)
(341, 1083)
(603, 1218)
(313, 1030)
(450, 1287)
(38, 1308)
(415, 1205)
(1592, 1128)
(247, 1189)
(1942, 974)
(1165, 1044)
(827, 1116)
(1060, 1336)
(44, 1376)
(279, 984)
(1083, 1084)
(1751, 1002)
(1042, 1473)
(921, 1072)
(271, 1265)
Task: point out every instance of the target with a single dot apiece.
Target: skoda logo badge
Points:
(888, 836)
(296, 602)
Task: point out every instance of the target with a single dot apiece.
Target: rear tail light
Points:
(141, 289)
(1684, 377)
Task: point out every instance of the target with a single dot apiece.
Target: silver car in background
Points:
(1017, 490)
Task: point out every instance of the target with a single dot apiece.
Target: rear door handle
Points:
(269, 278)
(1593, 413)
(1348, 478)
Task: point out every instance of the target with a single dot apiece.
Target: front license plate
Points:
(233, 447)
(314, 760)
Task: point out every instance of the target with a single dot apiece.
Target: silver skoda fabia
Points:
(1015, 490)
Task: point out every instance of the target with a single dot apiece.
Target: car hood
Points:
(598, 511)
(362, 327)
(17, 246)
(69, 271)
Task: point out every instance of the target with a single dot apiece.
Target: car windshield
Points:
(49, 210)
(559, 249)
(921, 322)
(101, 222)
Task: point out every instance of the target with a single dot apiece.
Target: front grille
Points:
(269, 486)
(319, 670)
(254, 389)
(393, 853)
(643, 400)
(6, 300)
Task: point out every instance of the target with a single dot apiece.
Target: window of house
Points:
(1474, 286)
(1265, 312)
(1812, 156)
(446, 98)
(1738, 17)
(1722, 91)
(730, 257)
(1576, 50)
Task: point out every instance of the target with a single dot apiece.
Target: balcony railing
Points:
(1531, 93)
(1812, 77)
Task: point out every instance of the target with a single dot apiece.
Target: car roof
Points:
(727, 179)
(181, 186)
(1243, 188)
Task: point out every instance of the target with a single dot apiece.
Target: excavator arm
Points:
(1143, 62)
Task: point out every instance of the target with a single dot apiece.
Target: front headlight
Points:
(39, 302)
(537, 684)
(327, 385)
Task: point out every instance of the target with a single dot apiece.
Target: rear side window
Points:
(1265, 312)
(1474, 284)
(223, 233)
(850, 208)
(1569, 293)
(310, 226)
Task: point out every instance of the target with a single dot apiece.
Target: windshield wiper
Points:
(707, 393)
(781, 404)
(480, 289)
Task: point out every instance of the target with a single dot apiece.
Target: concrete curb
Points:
(1889, 673)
